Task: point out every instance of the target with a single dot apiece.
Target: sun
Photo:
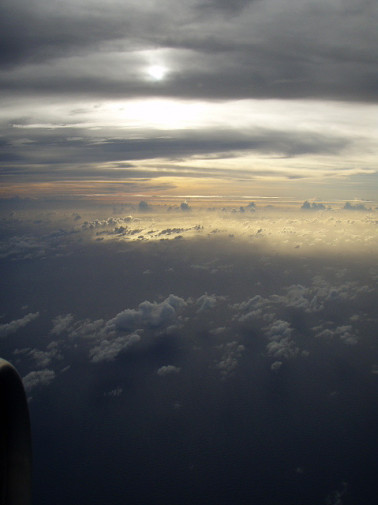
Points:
(157, 72)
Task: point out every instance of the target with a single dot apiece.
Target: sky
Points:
(188, 248)
(150, 99)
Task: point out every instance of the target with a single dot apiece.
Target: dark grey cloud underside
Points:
(301, 51)
(35, 35)
(127, 175)
(51, 148)
(331, 81)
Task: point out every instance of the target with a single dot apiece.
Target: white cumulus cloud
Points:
(13, 326)
(38, 378)
(168, 370)
(148, 314)
(107, 350)
(61, 324)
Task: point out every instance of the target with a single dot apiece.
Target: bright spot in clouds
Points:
(157, 113)
(157, 72)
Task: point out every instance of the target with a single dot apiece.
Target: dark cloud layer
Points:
(35, 32)
(253, 49)
(81, 158)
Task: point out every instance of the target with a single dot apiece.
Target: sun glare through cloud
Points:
(157, 72)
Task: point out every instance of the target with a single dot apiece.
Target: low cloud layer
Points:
(185, 341)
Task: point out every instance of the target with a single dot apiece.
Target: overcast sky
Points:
(149, 98)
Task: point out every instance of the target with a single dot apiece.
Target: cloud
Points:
(185, 206)
(62, 324)
(345, 333)
(251, 207)
(275, 366)
(87, 329)
(283, 347)
(13, 326)
(318, 295)
(46, 155)
(327, 333)
(301, 297)
(250, 309)
(231, 355)
(265, 52)
(34, 34)
(114, 392)
(239, 360)
(278, 329)
(22, 247)
(206, 302)
(345, 291)
(312, 206)
(117, 222)
(168, 370)
(38, 245)
(222, 6)
(357, 206)
(42, 359)
(336, 497)
(109, 349)
(143, 206)
(212, 50)
(155, 315)
(71, 79)
(38, 378)
(218, 331)
(281, 344)
(106, 339)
